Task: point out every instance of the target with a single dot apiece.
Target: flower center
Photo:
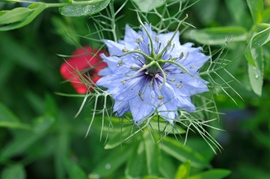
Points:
(153, 69)
(151, 74)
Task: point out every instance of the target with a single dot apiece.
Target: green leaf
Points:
(219, 35)
(61, 149)
(9, 120)
(14, 171)
(115, 141)
(74, 170)
(43, 123)
(89, 8)
(212, 174)
(36, 102)
(51, 108)
(167, 167)
(262, 137)
(65, 29)
(24, 139)
(249, 53)
(183, 153)
(256, 9)
(118, 138)
(152, 154)
(6, 67)
(254, 55)
(183, 171)
(35, 8)
(255, 73)
(167, 128)
(199, 144)
(260, 38)
(152, 177)
(266, 15)
(23, 55)
(111, 163)
(211, 9)
(14, 15)
(148, 5)
(237, 9)
(136, 162)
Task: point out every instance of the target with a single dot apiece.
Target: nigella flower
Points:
(81, 68)
(150, 73)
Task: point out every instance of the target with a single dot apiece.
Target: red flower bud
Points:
(82, 69)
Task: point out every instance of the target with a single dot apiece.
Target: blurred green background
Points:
(44, 136)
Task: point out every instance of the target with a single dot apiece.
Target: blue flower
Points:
(150, 73)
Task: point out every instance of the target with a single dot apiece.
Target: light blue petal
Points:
(121, 107)
(130, 39)
(188, 44)
(167, 114)
(111, 61)
(140, 110)
(185, 103)
(194, 61)
(165, 38)
(105, 72)
(149, 95)
(129, 90)
(186, 85)
(168, 109)
(114, 48)
(131, 35)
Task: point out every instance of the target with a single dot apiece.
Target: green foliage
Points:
(219, 35)
(183, 171)
(256, 36)
(183, 153)
(135, 164)
(20, 17)
(84, 10)
(111, 163)
(256, 10)
(255, 71)
(9, 120)
(145, 155)
(14, 15)
(148, 5)
(213, 174)
(74, 170)
(14, 171)
(260, 38)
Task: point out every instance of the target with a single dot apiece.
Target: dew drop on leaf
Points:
(108, 166)
(257, 74)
